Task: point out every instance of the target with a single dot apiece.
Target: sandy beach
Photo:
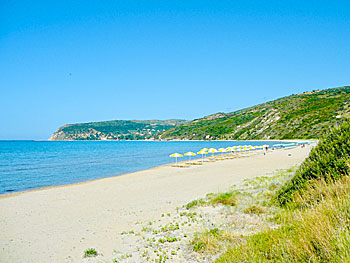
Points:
(58, 224)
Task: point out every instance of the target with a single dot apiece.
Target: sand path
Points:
(58, 224)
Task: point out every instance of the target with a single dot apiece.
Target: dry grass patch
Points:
(254, 209)
(212, 240)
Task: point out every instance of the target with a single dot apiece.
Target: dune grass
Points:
(254, 209)
(314, 218)
(315, 229)
(329, 161)
(212, 240)
(227, 198)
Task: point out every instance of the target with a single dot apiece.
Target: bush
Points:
(90, 252)
(328, 161)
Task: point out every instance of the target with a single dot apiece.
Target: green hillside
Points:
(114, 130)
(305, 115)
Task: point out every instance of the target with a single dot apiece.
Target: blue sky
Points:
(79, 61)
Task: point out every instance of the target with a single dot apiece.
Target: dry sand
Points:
(58, 224)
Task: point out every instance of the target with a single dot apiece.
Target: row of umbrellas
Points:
(205, 151)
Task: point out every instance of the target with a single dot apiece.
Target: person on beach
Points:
(265, 149)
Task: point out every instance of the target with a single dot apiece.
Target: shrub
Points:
(329, 160)
(90, 252)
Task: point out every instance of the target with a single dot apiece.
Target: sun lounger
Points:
(195, 163)
(182, 165)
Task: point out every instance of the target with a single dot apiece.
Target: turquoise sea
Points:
(26, 165)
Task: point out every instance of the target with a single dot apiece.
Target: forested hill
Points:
(115, 130)
(304, 116)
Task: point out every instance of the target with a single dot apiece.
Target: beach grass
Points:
(317, 231)
(227, 198)
(313, 217)
(329, 161)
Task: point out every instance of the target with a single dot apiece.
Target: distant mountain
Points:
(306, 115)
(115, 130)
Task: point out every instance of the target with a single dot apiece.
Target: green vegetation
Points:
(115, 130)
(301, 214)
(212, 240)
(195, 203)
(303, 116)
(167, 239)
(228, 198)
(315, 215)
(317, 233)
(329, 161)
(90, 252)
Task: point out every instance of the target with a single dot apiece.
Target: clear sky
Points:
(80, 61)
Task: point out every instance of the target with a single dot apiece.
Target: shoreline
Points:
(57, 224)
(12, 194)
(8, 195)
(174, 140)
(16, 193)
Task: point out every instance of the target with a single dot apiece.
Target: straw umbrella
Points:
(189, 154)
(176, 155)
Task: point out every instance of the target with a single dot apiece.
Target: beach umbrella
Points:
(176, 155)
(189, 154)
(212, 151)
(202, 152)
(222, 150)
(230, 149)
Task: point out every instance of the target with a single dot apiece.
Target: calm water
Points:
(26, 165)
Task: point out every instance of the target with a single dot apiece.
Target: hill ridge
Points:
(115, 130)
(298, 116)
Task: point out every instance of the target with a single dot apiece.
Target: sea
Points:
(27, 165)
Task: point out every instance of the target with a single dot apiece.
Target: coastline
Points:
(57, 224)
(111, 175)
(13, 194)
(178, 140)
